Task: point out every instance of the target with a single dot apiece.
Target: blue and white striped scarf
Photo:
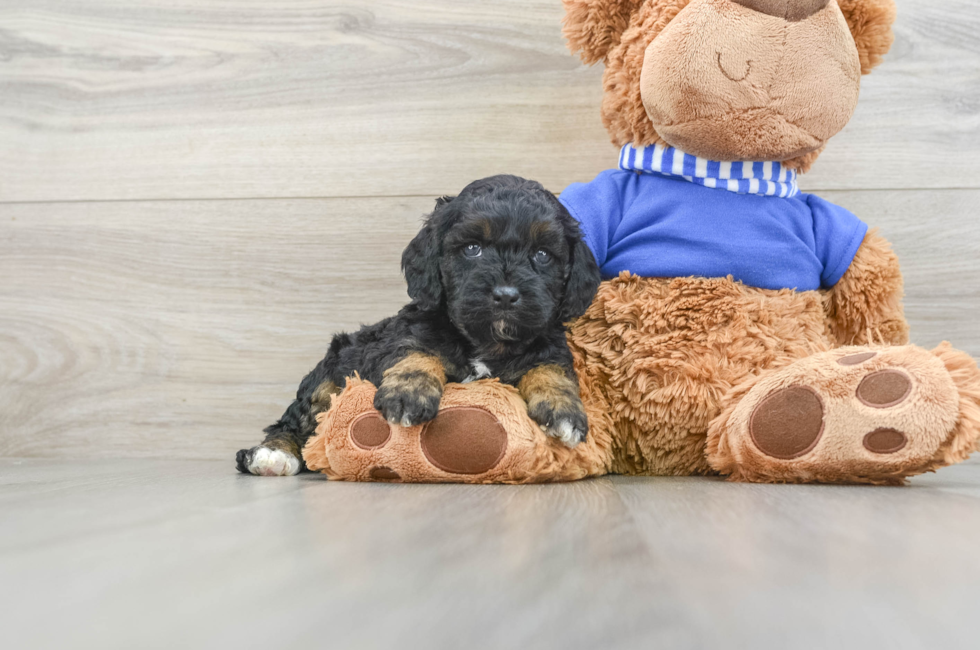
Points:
(762, 178)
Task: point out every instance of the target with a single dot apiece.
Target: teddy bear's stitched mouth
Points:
(729, 75)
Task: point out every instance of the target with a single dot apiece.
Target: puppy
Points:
(494, 275)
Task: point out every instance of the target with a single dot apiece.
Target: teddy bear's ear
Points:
(871, 26)
(593, 27)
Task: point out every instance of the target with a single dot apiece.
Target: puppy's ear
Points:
(583, 276)
(420, 260)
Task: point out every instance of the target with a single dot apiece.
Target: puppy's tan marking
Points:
(287, 445)
(320, 402)
(552, 384)
(323, 395)
(412, 368)
(487, 229)
(411, 390)
(553, 402)
(541, 228)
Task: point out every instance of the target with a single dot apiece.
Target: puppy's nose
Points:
(506, 296)
(792, 10)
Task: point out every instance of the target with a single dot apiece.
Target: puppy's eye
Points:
(542, 257)
(473, 250)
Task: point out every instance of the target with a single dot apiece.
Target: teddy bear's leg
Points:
(482, 434)
(858, 414)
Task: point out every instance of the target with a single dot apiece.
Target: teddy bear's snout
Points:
(728, 82)
(792, 10)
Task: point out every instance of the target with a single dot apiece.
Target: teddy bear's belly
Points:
(657, 356)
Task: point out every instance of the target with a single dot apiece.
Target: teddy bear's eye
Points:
(473, 250)
(542, 257)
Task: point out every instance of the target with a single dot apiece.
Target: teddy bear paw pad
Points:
(383, 474)
(370, 431)
(464, 440)
(788, 423)
(885, 441)
(459, 440)
(844, 415)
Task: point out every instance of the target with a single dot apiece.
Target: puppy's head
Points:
(506, 261)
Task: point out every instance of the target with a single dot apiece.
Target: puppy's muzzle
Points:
(504, 331)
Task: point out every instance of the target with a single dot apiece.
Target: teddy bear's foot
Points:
(860, 415)
(481, 434)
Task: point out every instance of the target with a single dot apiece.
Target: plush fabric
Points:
(786, 381)
(921, 422)
(670, 371)
(424, 454)
(623, 47)
(761, 81)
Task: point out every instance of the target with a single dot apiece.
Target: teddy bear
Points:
(744, 328)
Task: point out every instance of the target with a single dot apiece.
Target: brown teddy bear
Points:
(747, 329)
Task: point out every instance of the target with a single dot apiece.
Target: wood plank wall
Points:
(195, 193)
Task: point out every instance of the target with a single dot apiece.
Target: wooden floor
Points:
(188, 554)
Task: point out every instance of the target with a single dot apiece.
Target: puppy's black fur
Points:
(494, 275)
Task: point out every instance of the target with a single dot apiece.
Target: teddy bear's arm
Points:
(865, 307)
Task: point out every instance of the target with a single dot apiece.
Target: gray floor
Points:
(141, 554)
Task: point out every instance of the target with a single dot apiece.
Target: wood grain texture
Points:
(165, 554)
(145, 328)
(324, 98)
(181, 328)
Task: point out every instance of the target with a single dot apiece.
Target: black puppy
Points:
(493, 276)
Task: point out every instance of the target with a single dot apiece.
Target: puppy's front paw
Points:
(409, 399)
(565, 420)
(264, 461)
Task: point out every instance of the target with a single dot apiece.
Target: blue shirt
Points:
(655, 225)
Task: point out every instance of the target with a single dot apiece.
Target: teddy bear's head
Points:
(731, 79)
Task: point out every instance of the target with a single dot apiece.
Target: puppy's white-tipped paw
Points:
(273, 462)
(567, 432)
(563, 418)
